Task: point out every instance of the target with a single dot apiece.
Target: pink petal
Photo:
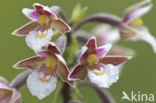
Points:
(61, 26)
(84, 55)
(31, 14)
(5, 95)
(114, 60)
(16, 97)
(44, 10)
(127, 32)
(26, 29)
(79, 72)
(30, 63)
(102, 50)
(45, 53)
(52, 48)
(61, 43)
(91, 44)
(147, 37)
(137, 10)
(63, 69)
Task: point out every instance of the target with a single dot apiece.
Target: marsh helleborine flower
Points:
(106, 34)
(132, 27)
(39, 31)
(7, 93)
(42, 81)
(100, 68)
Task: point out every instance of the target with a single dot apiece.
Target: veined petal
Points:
(102, 50)
(114, 60)
(62, 69)
(127, 32)
(39, 88)
(110, 76)
(61, 43)
(16, 97)
(44, 10)
(5, 95)
(137, 10)
(55, 9)
(84, 55)
(26, 29)
(121, 50)
(31, 14)
(5, 91)
(53, 48)
(44, 53)
(36, 40)
(61, 26)
(91, 44)
(147, 37)
(30, 63)
(79, 72)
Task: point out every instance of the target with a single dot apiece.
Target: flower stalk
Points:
(101, 17)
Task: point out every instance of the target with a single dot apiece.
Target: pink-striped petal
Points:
(127, 32)
(31, 14)
(52, 48)
(26, 29)
(63, 69)
(137, 10)
(79, 72)
(91, 44)
(30, 63)
(102, 50)
(44, 10)
(44, 53)
(84, 55)
(16, 97)
(114, 60)
(61, 26)
(61, 43)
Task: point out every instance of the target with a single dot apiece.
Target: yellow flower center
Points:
(44, 79)
(49, 63)
(42, 19)
(100, 72)
(136, 21)
(41, 35)
(92, 59)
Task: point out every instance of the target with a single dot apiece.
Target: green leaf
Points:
(78, 13)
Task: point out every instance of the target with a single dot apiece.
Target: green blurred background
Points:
(139, 74)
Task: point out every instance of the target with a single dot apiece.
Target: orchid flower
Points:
(42, 81)
(39, 31)
(132, 27)
(100, 68)
(106, 34)
(7, 93)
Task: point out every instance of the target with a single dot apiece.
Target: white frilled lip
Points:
(110, 76)
(36, 43)
(39, 88)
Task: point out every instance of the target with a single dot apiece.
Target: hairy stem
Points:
(57, 92)
(66, 93)
(103, 94)
(102, 18)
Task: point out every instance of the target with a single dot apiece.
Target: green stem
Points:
(57, 92)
